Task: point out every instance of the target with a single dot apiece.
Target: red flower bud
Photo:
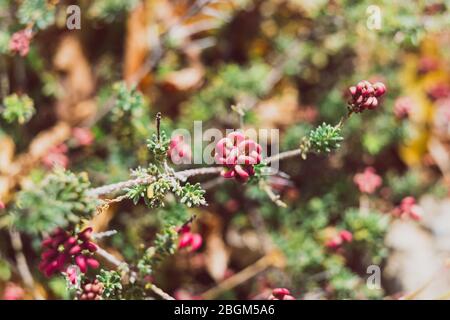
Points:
(92, 247)
(196, 242)
(364, 95)
(85, 234)
(80, 260)
(346, 236)
(91, 262)
(75, 250)
(185, 240)
(280, 292)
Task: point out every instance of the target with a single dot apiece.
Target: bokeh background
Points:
(286, 64)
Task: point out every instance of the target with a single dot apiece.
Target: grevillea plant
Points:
(70, 249)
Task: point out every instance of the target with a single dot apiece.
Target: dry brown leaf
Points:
(184, 80)
(100, 222)
(5, 186)
(136, 44)
(78, 83)
(7, 148)
(70, 58)
(279, 111)
(216, 257)
(38, 148)
(216, 254)
(147, 21)
(77, 112)
(47, 139)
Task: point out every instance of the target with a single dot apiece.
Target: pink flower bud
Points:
(13, 292)
(408, 209)
(80, 260)
(75, 250)
(238, 154)
(88, 245)
(333, 243)
(367, 181)
(49, 254)
(185, 240)
(70, 242)
(196, 242)
(280, 292)
(2, 205)
(20, 42)
(72, 274)
(56, 157)
(380, 89)
(91, 262)
(179, 151)
(365, 95)
(85, 234)
(403, 107)
(83, 136)
(346, 236)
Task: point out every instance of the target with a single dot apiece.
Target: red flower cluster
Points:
(238, 154)
(13, 292)
(428, 64)
(281, 294)
(343, 237)
(365, 95)
(57, 156)
(189, 239)
(179, 151)
(20, 42)
(91, 290)
(61, 248)
(439, 91)
(367, 181)
(408, 208)
(403, 107)
(2, 205)
(83, 136)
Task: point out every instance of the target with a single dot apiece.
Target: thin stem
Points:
(110, 188)
(283, 155)
(158, 126)
(109, 257)
(161, 292)
(182, 175)
(22, 265)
